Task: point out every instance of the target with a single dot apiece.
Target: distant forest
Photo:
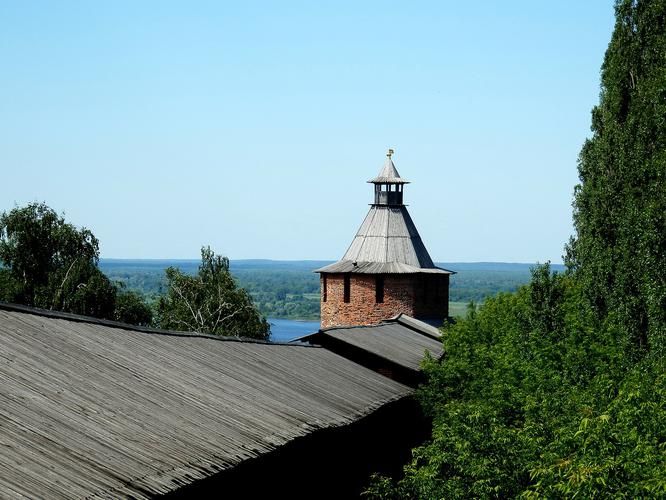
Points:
(290, 289)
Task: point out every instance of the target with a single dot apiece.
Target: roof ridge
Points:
(388, 227)
(79, 318)
(350, 327)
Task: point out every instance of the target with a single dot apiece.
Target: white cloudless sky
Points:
(253, 127)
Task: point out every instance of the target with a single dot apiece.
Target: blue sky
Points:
(252, 127)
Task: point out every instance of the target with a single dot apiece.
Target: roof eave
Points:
(346, 266)
(388, 180)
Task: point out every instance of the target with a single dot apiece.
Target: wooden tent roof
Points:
(386, 242)
(388, 174)
(97, 409)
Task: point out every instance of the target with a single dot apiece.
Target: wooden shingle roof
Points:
(402, 340)
(386, 242)
(102, 410)
(388, 174)
(390, 341)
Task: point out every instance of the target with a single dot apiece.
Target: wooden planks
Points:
(386, 242)
(393, 341)
(91, 410)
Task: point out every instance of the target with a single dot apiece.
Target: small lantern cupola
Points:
(388, 184)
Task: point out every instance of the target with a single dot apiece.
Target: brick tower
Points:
(387, 269)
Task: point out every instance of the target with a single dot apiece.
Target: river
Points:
(284, 330)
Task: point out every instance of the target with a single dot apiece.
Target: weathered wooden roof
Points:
(402, 340)
(390, 340)
(101, 410)
(386, 242)
(388, 174)
(419, 326)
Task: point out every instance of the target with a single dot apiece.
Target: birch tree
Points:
(209, 302)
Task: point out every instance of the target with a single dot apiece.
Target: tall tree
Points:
(619, 251)
(49, 263)
(209, 302)
(557, 391)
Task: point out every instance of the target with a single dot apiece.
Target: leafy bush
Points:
(533, 400)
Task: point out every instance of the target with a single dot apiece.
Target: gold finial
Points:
(390, 153)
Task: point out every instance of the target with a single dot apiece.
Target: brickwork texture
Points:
(418, 295)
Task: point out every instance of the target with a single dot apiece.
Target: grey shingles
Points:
(388, 174)
(420, 326)
(93, 410)
(348, 266)
(391, 340)
(387, 237)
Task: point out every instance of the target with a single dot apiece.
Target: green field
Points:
(458, 309)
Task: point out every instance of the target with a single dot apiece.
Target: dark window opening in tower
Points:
(379, 289)
(347, 288)
(324, 292)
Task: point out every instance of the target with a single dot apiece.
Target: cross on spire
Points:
(390, 153)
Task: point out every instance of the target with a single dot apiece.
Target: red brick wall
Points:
(403, 293)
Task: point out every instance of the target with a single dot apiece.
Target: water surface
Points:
(284, 330)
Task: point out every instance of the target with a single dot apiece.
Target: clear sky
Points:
(253, 127)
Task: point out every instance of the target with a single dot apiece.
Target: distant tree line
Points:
(285, 292)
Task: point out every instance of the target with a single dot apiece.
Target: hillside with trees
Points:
(559, 390)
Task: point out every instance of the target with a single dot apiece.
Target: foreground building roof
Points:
(96, 409)
(390, 341)
(400, 343)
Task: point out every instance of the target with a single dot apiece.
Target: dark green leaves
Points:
(51, 264)
(533, 399)
(619, 252)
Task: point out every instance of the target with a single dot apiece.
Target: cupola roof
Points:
(388, 174)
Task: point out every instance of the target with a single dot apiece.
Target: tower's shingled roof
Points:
(387, 241)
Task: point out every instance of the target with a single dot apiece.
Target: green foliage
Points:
(132, 308)
(559, 390)
(476, 285)
(79, 288)
(35, 243)
(209, 302)
(279, 289)
(281, 292)
(619, 252)
(51, 264)
(532, 400)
